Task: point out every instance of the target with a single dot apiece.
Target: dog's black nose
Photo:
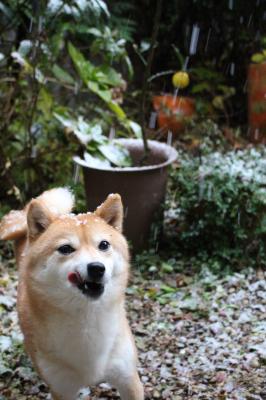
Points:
(95, 271)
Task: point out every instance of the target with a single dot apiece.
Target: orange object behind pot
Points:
(173, 112)
(257, 102)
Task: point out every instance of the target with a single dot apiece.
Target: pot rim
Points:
(169, 151)
(166, 94)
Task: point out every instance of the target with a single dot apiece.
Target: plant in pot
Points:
(256, 96)
(118, 165)
(174, 110)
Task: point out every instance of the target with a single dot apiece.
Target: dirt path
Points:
(197, 338)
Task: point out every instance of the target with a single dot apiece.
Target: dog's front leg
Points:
(128, 384)
(130, 388)
(63, 382)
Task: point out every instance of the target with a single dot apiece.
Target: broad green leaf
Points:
(118, 155)
(117, 110)
(109, 76)
(62, 75)
(201, 87)
(87, 132)
(136, 128)
(84, 131)
(84, 68)
(104, 94)
(45, 102)
(99, 6)
(7, 11)
(64, 119)
(92, 161)
(96, 161)
(95, 32)
(168, 289)
(167, 267)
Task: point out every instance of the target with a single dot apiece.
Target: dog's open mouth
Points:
(88, 288)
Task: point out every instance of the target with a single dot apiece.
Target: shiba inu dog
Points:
(73, 271)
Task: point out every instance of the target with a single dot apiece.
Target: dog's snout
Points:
(95, 271)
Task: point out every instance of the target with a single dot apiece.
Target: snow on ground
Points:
(198, 338)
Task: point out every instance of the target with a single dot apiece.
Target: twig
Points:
(156, 24)
(169, 72)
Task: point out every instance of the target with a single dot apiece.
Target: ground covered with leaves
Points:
(199, 337)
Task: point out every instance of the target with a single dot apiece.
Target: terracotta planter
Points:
(173, 112)
(142, 188)
(257, 102)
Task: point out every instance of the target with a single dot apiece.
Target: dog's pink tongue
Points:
(74, 278)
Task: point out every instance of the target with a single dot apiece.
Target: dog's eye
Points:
(65, 249)
(104, 245)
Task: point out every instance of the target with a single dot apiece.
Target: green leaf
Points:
(84, 68)
(109, 76)
(92, 161)
(104, 94)
(179, 55)
(166, 267)
(136, 128)
(129, 67)
(118, 155)
(62, 75)
(94, 31)
(64, 119)
(45, 102)
(168, 289)
(117, 110)
(5, 10)
(201, 87)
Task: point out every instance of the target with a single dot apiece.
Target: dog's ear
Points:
(112, 211)
(13, 225)
(38, 218)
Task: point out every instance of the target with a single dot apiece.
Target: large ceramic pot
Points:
(257, 102)
(142, 188)
(173, 112)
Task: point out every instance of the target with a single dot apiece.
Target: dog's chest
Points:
(84, 344)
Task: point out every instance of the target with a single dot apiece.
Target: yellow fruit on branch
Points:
(180, 79)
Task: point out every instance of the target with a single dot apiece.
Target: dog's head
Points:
(72, 257)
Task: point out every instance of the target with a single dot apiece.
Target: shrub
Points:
(220, 201)
(44, 75)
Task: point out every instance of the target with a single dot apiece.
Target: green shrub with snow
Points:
(220, 204)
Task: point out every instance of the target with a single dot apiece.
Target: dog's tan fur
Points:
(73, 341)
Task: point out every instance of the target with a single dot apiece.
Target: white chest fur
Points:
(82, 341)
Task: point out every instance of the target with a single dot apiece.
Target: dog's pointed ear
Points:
(111, 211)
(38, 218)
